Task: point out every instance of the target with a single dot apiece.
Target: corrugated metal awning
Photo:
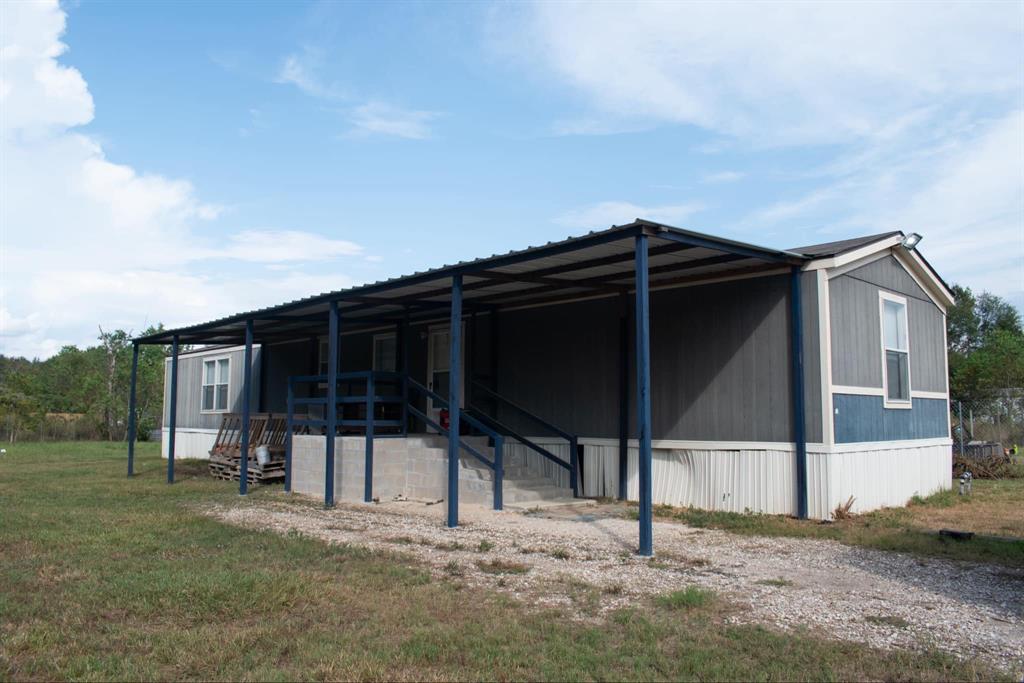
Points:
(596, 264)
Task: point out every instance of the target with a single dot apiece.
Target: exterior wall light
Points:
(910, 241)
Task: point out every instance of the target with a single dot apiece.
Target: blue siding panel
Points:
(865, 418)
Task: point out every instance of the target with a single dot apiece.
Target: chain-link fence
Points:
(988, 434)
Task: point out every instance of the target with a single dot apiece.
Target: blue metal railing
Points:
(369, 423)
(497, 466)
(572, 466)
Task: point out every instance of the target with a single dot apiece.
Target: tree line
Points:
(83, 393)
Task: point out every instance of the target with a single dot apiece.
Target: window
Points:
(322, 358)
(895, 351)
(385, 346)
(215, 384)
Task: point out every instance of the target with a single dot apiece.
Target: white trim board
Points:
(676, 444)
(825, 357)
(190, 430)
(879, 391)
(856, 254)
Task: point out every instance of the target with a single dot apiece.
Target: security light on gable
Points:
(910, 241)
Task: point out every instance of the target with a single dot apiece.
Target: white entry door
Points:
(439, 366)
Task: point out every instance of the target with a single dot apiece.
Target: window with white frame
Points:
(895, 350)
(384, 350)
(216, 374)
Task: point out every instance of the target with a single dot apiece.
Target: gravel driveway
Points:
(583, 559)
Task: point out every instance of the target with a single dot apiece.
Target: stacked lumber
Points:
(265, 429)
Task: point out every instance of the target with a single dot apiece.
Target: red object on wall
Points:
(445, 421)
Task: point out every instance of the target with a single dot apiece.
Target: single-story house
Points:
(642, 362)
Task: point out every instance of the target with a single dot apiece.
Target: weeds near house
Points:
(453, 568)
(842, 510)
(778, 583)
(559, 554)
(485, 546)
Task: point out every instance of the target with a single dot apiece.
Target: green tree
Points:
(986, 346)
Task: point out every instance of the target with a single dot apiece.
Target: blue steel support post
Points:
(574, 466)
(499, 472)
(331, 409)
(173, 426)
(799, 415)
(289, 430)
(404, 362)
(131, 409)
(371, 390)
(454, 385)
(623, 396)
(643, 394)
(243, 477)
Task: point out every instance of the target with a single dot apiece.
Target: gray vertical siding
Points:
(190, 387)
(864, 418)
(856, 328)
(720, 367)
(927, 346)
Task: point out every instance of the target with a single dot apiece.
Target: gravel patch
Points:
(585, 561)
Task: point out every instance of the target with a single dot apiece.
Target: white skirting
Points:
(761, 477)
(189, 442)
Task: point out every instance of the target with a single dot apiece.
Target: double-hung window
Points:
(384, 350)
(216, 373)
(895, 351)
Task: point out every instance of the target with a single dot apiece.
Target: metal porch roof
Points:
(598, 263)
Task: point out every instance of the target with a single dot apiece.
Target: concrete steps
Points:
(523, 487)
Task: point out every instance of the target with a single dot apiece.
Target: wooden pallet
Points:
(265, 429)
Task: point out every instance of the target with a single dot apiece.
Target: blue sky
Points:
(175, 162)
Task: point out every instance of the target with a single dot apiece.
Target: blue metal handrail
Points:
(370, 398)
(497, 465)
(572, 465)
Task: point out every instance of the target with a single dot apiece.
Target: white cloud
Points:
(274, 246)
(776, 72)
(86, 241)
(301, 70)
(723, 177)
(965, 196)
(605, 214)
(385, 119)
(370, 118)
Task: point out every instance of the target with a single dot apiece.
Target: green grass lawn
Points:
(994, 511)
(103, 577)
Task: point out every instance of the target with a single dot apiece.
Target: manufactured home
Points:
(642, 362)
